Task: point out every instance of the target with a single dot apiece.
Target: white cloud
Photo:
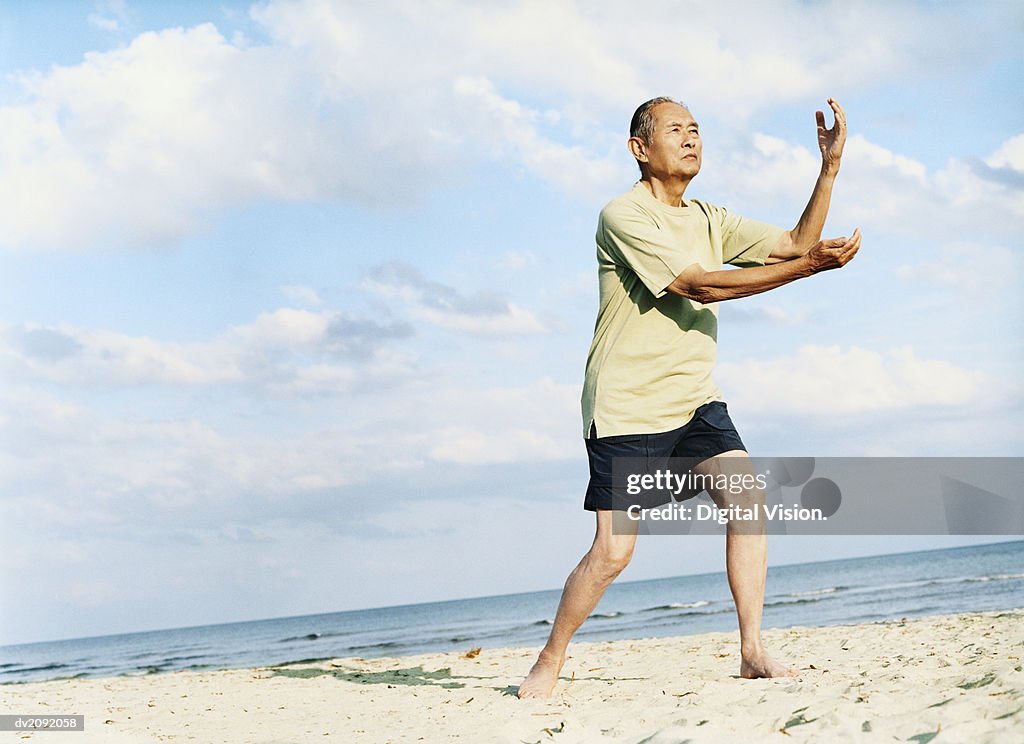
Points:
(471, 446)
(514, 320)
(302, 295)
(826, 381)
(104, 23)
(110, 15)
(75, 466)
(294, 402)
(864, 152)
(72, 466)
(288, 349)
(286, 327)
(73, 355)
(573, 169)
(877, 189)
(1009, 155)
(515, 260)
(533, 422)
(447, 307)
(141, 144)
(144, 143)
(956, 265)
(752, 313)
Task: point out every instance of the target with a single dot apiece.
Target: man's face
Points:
(675, 147)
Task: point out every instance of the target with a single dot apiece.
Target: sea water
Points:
(856, 590)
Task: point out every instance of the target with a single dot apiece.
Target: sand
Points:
(951, 678)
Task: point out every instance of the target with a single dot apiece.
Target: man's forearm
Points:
(808, 228)
(798, 241)
(715, 286)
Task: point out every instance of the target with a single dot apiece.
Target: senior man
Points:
(648, 390)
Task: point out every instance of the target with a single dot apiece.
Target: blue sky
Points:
(297, 296)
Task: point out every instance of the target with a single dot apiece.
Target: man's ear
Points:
(637, 148)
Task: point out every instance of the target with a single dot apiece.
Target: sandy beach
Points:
(950, 678)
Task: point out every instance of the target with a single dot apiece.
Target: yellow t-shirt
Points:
(649, 366)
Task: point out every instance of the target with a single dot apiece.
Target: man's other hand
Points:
(834, 252)
(831, 141)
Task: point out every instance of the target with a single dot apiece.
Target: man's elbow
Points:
(786, 250)
(690, 284)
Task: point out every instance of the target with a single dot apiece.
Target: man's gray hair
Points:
(642, 124)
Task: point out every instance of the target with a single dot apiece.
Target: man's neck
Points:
(668, 191)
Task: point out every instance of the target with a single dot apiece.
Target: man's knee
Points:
(613, 543)
(611, 558)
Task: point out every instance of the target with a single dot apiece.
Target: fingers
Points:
(850, 248)
(837, 110)
(841, 250)
(819, 117)
(844, 243)
(838, 242)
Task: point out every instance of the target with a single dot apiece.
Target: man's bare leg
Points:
(746, 560)
(584, 588)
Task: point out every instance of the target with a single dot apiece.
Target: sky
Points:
(297, 296)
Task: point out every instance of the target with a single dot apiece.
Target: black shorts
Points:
(710, 432)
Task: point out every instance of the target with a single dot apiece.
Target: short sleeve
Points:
(745, 242)
(635, 242)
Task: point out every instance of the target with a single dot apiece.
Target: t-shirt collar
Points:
(644, 194)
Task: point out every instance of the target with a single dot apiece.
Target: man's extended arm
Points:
(715, 286)
(798, 241)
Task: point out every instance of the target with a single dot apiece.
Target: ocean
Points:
(855, 590)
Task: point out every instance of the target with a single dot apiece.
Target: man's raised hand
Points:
(834, 252)
(831, 141)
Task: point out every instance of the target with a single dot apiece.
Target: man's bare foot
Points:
(542, 677)
(762, 665)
